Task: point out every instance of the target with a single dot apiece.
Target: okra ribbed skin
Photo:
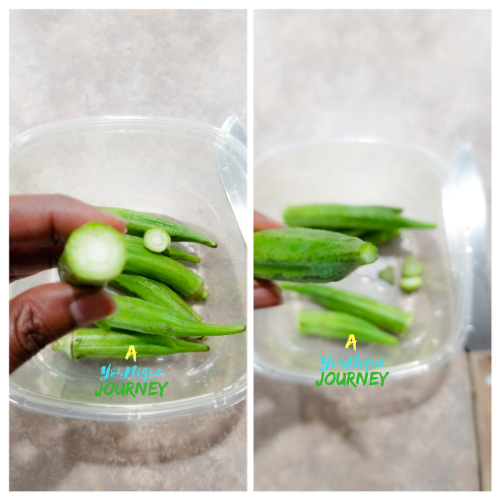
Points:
(138, 223)
(380, 237)
(333, 217)
(337, 325)
(155, 292)
(308, 255)
(96, 343)
(379, 313)
(140, 316)
(176, 254)
(164, 269)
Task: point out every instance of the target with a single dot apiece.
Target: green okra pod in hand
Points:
(308, 255)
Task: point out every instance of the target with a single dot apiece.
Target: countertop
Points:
(418, 77)
(182, 64)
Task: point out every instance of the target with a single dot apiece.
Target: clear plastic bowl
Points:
(160, 166)
(368, 172)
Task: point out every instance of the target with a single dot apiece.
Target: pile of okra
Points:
(153, 315)
(325, 243)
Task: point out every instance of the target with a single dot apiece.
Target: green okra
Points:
(379, 313)
(337, 325)
(138, 223)
(333, 217)
(308, 255)
(96, 343)
(378, 238)
(411, 284)
(176, 254)
(157, 240)
(164, 269)
(173, 253)
(411, 267)
(155, 292)
(351, 232)
(387, 274)
(140, 316)
(94, 254)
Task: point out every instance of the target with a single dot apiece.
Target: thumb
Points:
(45, 313)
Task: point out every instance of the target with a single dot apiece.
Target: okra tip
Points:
(368, 253)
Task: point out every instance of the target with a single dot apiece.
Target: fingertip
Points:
(92, 307)
(267, 294)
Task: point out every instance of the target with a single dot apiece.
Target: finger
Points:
(266, 294)
(45, 313)
(49, 219)
(261, 222)
(25, 261)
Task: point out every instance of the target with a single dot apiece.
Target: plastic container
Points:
(160, 166)
(367, 172)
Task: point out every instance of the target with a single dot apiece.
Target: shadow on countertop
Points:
(201, 452)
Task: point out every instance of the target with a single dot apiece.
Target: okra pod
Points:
(379, 313)
(164, 269)
(96, 343)
(333, 217)
(140, 316)
(351, 232)
(380, 237)
(138, 223)
(308, 255)
(155, 292)
(176, 254)
(94, 254)
(337, 325)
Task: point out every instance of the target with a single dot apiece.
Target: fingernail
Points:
(92, 307)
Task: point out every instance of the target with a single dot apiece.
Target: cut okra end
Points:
(387, 275)
(94, 254)
(368, 253)
(411, 284)
(411, 267)
(157, 240)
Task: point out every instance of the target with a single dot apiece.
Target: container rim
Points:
(178, 123)
(441, 355)
(228, 396)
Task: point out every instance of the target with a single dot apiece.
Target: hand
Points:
(39, 227)
(265, 293)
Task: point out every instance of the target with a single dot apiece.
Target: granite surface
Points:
(182, 64)
(418, 77)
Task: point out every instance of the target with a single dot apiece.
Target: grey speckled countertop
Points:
(180, 64)
(420, 77)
